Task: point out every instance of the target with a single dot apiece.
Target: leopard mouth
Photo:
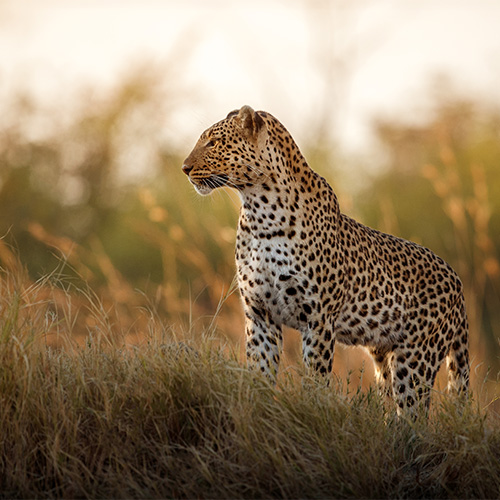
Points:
(205, 185)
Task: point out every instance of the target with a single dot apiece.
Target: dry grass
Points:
(478, 263)
(477, 260)
(169, 419)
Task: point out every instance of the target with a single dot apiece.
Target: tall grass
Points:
(477, 263)
(183, 418)
(440, 188)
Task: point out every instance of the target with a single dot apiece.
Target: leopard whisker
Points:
(229, 180)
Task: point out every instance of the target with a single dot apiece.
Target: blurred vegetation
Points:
(440, 187)
(95, 197)
(67, 206)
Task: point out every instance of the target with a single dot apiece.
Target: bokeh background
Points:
(396, 103)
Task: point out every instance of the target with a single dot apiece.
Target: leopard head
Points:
(230, 153)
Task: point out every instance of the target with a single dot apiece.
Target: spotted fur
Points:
(304, 264)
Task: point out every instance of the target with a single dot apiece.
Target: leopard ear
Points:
(250, 121)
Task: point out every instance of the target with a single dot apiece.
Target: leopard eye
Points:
(210, 144)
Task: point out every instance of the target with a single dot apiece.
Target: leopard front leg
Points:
(318, 347)
(263, 342)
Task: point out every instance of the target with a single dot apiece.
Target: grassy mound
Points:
(167, 421)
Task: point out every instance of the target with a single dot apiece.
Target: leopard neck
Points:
(275, 206)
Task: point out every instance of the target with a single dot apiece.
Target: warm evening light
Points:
(323, 323)
(314, 63)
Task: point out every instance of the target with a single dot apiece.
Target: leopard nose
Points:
(186, 169)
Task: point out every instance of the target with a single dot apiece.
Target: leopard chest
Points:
(271, 278)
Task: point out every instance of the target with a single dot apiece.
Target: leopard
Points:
(302, 263)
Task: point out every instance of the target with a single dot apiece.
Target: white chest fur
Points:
(270, 276)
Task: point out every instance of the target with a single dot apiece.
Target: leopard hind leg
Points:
(457, 359)
(383, 376)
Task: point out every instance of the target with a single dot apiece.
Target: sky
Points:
(318, 65)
